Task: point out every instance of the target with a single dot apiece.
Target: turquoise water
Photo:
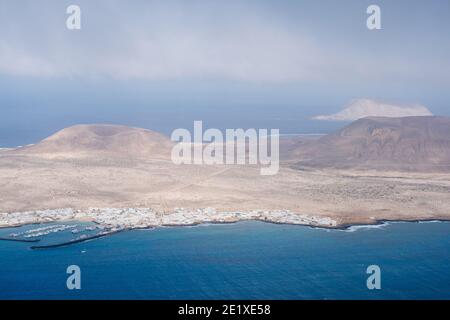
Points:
(248, 260)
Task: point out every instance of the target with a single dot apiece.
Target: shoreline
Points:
(337, 226)
(344, 227)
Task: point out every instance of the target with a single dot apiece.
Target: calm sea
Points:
(247, 260)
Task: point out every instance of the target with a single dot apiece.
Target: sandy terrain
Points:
(33, 182)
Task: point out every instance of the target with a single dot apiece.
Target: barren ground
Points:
(37, 182)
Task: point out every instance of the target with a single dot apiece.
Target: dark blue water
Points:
(248, 260)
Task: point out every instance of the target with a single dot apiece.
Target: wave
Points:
(367, 226)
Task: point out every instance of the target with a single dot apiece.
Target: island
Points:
(373, 170)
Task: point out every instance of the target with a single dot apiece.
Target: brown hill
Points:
(102, 140)
(411, 143)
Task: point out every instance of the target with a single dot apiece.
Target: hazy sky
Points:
(292, 56)
(259, 41)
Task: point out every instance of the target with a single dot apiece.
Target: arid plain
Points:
(120, 167)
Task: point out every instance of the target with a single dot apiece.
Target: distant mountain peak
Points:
(362, 108)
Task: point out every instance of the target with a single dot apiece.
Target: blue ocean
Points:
(246, 260)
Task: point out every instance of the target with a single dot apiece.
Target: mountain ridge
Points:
(411, 143)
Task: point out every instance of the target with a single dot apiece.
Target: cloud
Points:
(156, 42)
(233, 40)
(18, 62)
(361, 108)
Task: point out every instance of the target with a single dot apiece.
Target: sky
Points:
(160, 64)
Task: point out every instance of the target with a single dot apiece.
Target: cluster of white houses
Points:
(132, 218)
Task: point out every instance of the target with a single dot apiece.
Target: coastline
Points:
(331, 223)
(346, 227)
(114, 220)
